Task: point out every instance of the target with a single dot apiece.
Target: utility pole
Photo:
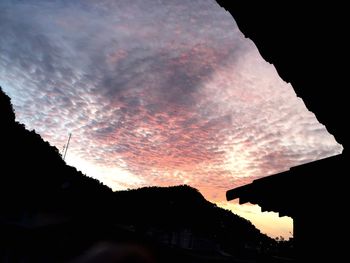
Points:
(66, 148)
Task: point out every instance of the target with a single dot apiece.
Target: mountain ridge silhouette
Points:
(47, 204)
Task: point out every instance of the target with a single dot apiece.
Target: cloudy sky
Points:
(155, 92)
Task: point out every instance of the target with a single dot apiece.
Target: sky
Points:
(156, 93)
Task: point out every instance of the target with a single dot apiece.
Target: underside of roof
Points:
(286, 192)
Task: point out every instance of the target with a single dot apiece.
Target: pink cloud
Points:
(164, 92)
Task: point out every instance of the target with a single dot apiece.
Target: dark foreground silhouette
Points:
(50, 212)
(308, 44)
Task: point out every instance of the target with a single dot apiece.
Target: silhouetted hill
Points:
(182, 208)
(50, 212)
(33, 174)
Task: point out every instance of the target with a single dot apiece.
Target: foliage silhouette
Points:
(49, 211)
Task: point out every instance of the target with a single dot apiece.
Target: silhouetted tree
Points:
(50, 210)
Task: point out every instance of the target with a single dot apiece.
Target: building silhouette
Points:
(307, 45)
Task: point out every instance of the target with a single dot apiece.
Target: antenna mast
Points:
(66, 148)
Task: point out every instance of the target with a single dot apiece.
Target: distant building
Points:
(182, 238)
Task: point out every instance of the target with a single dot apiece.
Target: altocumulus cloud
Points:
(169, 92)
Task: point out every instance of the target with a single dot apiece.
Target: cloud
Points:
(166, 92)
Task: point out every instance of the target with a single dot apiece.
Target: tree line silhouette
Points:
(50, 211)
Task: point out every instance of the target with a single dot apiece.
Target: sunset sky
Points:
(156, 92)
